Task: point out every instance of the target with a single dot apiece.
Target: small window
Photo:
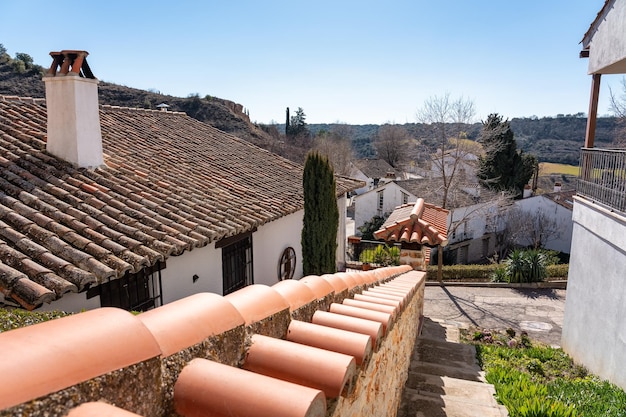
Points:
(132, 292)
(236, 262)
(381, 196)
(405, 198)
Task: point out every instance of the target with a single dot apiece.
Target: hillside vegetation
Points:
(552, 139)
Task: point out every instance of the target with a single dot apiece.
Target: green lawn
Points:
(534, 380)
(548, 168)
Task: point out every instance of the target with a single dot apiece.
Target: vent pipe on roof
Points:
(73, 112)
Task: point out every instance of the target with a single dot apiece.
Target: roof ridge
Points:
(139, 109)
(22, 99)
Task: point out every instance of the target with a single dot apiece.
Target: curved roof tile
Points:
(170, 183)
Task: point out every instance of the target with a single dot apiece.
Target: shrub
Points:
(516, 266)
(381, 255)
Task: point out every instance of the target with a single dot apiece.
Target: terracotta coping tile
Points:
(320, 287)
(50, 356)
(383, 318)
(373, 299)
(370, 277)
(371, 306)
(188, 321)
(348, 278)
(257, 302)
(295, 292)
(385, 295)
(386, 291)
(337, 282)
(206, 388)
(371, 328)
(359, 277)
(99, 409)
(354, 344)
(310, 366)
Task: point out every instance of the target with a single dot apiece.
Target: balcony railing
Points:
(602, 177)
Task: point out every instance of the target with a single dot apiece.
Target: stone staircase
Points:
(444, 378)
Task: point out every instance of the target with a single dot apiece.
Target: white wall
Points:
(594, 329)
(72, 303)
(556, 212)
(359, 175)
(366, 204)
(342, 206)
(177, 277)
(608, 45)
(269, 242)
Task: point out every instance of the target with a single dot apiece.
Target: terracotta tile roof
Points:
(273, 377)
(170, 184)
(375, 168)
(562, 198)
(417, 222)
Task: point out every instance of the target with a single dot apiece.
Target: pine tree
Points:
(321, 216)
(503, 167)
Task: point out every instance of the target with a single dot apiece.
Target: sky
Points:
(355, 62)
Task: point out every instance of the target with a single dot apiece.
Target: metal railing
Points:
(602, 177)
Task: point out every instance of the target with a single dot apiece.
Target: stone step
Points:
(436, 385)
(441, 352)
(418, 404)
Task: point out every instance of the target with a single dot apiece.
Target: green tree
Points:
(4, 55)
(297, 126)
(25, 58)
(503, 167)
(321, 216)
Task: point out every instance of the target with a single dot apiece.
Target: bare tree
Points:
(617, 106)
(336, 146)
(530, 228)
(390, 142)
(447, 118)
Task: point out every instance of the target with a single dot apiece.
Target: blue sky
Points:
(355, 62)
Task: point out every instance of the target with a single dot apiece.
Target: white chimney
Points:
(528, 192)
(557, 187)
(73, 112)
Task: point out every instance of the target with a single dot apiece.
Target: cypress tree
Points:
(321, 216)
(503, 167)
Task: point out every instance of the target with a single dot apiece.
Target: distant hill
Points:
(551, 139)
(223, 114)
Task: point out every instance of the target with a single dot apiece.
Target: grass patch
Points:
(548, 168)
(15, 318)
(535, 380)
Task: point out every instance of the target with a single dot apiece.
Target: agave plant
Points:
(516, 266)
(537, 265)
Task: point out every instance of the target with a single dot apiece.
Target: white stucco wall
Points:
(268, 244)
(594, 328)
(607, 49)
(342, 205)
(556, 212)
(177, 277)
(366, 204)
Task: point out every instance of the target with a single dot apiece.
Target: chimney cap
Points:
(70, 62)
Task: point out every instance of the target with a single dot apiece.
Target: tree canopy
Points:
(321, 216)
(503, 167)
(297, 124)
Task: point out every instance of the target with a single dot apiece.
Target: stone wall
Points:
(214, 328)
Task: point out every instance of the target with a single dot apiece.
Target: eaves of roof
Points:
(418, 222)
(170, 183)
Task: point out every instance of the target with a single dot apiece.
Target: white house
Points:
(373, 172)
(380, 201)
(552, 214)
(108, 206)
(594, 332)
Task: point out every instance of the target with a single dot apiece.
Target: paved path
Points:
(537, 311)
